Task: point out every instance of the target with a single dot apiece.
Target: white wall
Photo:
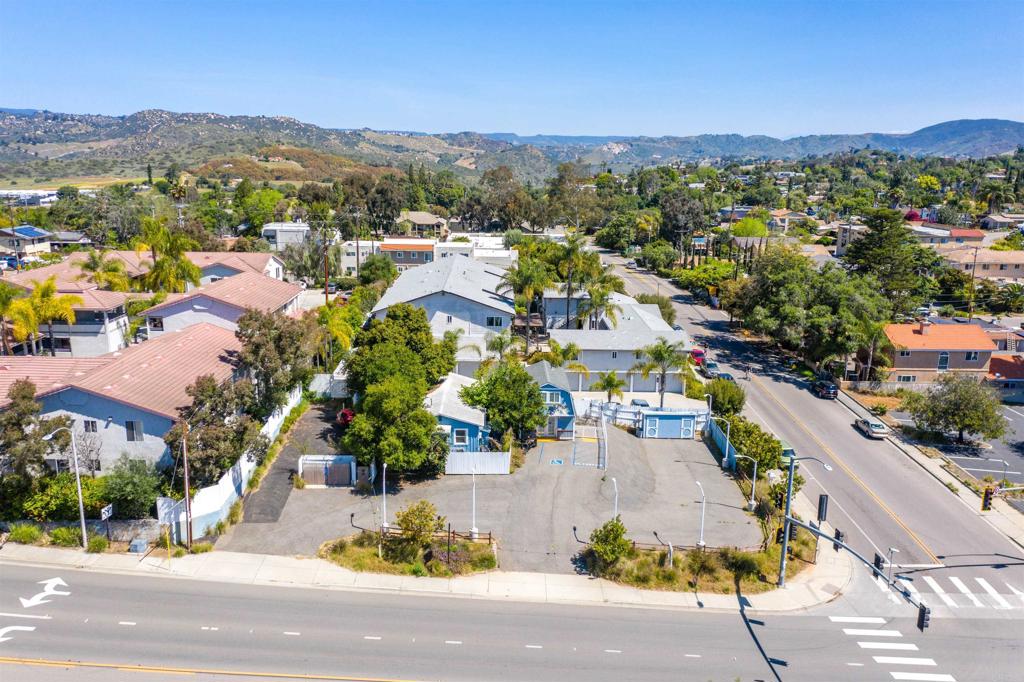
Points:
(91, 340)
(469, 316)
(177, 316)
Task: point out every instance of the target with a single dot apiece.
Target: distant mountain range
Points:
(37, 143)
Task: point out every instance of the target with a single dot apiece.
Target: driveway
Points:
(532, 512)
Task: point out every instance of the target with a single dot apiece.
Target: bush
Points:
(66, 537)
(608, 543)
(97, 544)
(132, 487)
(346, 283)
(25, 533)
(484, 562)
(201, 547)
(668, 312)
(727, 398)
(235, 515)
(56, 498)
(298, 482)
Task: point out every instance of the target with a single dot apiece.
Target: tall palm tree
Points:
(996, 194)
(1011, 297)
(51, 305)
(662, 357)
(871, 334)
(172, 271)
(528, 279)
(153, 234)
(8, 295)
(562, 356)
(503, 344)
(24, 323)
(599, 304)
(572, 260)
(103, 271)
(610, 384)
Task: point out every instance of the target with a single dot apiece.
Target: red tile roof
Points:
(1011, 367)
(939, 337)
(407, 247)
(245, 290)
(966, 234)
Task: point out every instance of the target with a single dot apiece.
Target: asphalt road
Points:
(878, 496)
(96, 626)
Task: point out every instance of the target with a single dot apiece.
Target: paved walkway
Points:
(816, 585)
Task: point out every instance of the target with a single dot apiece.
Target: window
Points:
(984, 266)
(449, 319)
(907, 378)
(904, 353)
(460, 437)
(551, 397)
(399, 255)
(133, 430)
(943, 361)
(427, 257)
(971, 356)
(59, 344)
(89, 425)
(615, 354)
(413, 255)
(493, 321)
(156, 324)
(1002, 266)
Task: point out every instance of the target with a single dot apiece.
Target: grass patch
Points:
(25, 533)
(360, 553)
(97, 545)
(66, 537)
(298, 482)
(201, 547)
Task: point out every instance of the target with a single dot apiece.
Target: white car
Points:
(872, 428)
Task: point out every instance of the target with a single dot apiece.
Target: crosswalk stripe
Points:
(923, 677)
(908, 584)
(1015, 591)
(937, 589)
(959, 584)
(900, 660)
(856, 619)
(1001, 603)
(892, 646)
(860, 632)
(884, 587)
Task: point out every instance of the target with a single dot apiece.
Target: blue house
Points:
(554, 386)
(466, 426)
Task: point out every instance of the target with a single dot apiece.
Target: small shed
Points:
(323, 471)
(656, 423)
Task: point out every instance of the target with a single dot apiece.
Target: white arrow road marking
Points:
(49, 590)
(14, 628)
(937, 588)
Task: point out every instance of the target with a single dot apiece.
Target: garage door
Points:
(339, 474)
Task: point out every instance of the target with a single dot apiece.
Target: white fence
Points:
(613, 412)
(213, 503)
(483, 462)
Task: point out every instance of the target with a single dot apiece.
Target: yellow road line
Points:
(190, 671)
(848, 471)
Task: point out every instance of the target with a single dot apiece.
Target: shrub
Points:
(201, 547)
(608, 543)
(419, 521)
(484, 562)
(132, 487)
(418, 569)
(298, 482)
(25, 533)
(235, 515)
(57, 498)
(338, 546)
(66, 537)
(727, 397)
(179, 552)
(97, 544)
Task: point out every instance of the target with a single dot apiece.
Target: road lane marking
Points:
(937, 589)
(860, 632)
(207, 627)
(959, 584)
(534, 646)
(452, 641)
(126, 622)
(847, 469)
(291, 633)
(691, 655)
(1015, 591)
(900, 660)
(892, 646)
(1013, 410)
(1001, 603)
(990, 471)
(909, 585)
(194, 671)
(884, 587)
(855, 665)
(613, 651)
(923, 677)
(856, 619)
(372, 638)
(24, 615)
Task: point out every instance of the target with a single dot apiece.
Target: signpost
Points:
(105, 515)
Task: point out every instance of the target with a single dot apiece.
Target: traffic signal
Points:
(841, 537)
(986, 498)
(779, 535)
(822, 508)
(879, 562)
(924, 616)
(792, 532)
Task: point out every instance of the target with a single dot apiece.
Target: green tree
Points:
(383, 205)
(664, 303)
(51, 305)
(658, 255)
(727, 397)
(8, 295)
(509, 396)
(392, 426)
(958, 403)
(419, 521)
(527, 280)
(573, 259)
(749, 227)
(599, 304)
(610, 384)
(22, 448)
(377, 268)
(661, 357)
(104, 271)
(258, 208)
(407, 325)
(24, 322)
(608, 543)
(132, 487)
(562, 356)
(277, 352)
(891, 253)
(373, 364)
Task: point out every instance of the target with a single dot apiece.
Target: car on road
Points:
(332, 287)
(698, 356)
(825, 389)
(677, 327)
(709, 368)
(726, 376)
(872, 428)
(631, 264)
(639, 402)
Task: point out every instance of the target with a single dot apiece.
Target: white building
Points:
(280, 235)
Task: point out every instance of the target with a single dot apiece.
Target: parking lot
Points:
(532, 512)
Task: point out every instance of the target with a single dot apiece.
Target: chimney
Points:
(923, 327)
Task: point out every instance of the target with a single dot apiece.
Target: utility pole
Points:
(327, 300)
(974, 272)
(188, 492)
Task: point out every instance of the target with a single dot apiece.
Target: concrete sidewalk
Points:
(816, 585)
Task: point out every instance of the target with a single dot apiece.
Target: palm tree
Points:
(153, 234)
(8, 295)
(599, 304)
(572, 260)
(562, 356)
(1011, 297)
(172, 271)
(51, 305)
(996, 194)
(503, 344)
(24, 323)
(871, 334)
(103, 271)
(528, 279)
(610, 384)
(662, 357)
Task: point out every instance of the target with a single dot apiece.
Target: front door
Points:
(551, 429)
(651, 428)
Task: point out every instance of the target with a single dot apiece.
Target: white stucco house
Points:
(281, 235)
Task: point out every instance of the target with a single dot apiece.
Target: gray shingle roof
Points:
(544, 373)
(457, 275)
(444, 401)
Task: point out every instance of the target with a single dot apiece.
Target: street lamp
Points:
(615, 484)
(700, 541)
(711, 402)
(473, 531)
(728, 432)
(78, 479)
(789, 502)
(753, 481)
(384, 493)
(892, 550)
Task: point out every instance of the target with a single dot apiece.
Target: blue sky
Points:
(629, 68)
